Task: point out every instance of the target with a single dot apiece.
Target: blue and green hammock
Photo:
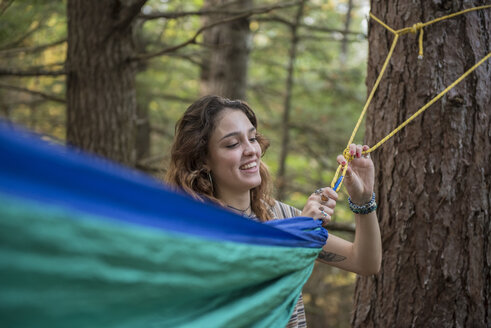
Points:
(87, 243)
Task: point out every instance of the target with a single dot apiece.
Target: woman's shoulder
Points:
(281, 210)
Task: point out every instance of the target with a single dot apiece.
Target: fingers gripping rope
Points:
(337, 181)
(336, 185)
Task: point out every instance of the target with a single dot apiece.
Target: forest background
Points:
(306, 63)
(327, 94)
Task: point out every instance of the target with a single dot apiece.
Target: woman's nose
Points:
(249, 148)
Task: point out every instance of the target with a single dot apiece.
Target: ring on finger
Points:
(324, 198)
(318, 191)
(324, 214)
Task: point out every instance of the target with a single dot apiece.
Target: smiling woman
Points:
(234, 158)
(206, 156)
(216, 156)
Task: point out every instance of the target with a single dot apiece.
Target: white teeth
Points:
(248, 166)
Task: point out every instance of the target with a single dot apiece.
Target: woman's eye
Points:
(233, 145)
(254, 139)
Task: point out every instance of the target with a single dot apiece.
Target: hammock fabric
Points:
(87, 243)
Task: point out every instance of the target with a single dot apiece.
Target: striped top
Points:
(284, 211)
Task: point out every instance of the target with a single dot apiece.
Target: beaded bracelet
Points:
(365, 208)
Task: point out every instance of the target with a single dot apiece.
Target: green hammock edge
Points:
(60, 267)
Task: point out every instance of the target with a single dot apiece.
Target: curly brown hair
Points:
(190, 149)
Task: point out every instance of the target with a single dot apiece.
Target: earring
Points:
(211, 180)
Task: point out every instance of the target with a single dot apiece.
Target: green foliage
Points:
(24, 16)
(24, 26)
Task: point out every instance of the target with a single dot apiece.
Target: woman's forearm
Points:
(364, 255)
(367, 247)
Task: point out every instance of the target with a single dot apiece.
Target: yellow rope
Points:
(432, 101)
(418, 27)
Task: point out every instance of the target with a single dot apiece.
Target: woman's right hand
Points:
(320, 205)
(359, 179)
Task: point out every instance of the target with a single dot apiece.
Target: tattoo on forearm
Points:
(331, 257)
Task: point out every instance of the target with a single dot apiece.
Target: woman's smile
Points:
(250, 167)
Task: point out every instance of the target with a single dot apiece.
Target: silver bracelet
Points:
(365, 208)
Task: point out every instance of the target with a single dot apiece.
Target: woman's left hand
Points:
(359, 179)
(320, 205)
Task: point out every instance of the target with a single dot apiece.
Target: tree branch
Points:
(188, 57)
(128, 13)
(205, 12)
(279, 19)
(34, 92)
(171, 97)
(333, 30)
(4, 5)
(22, 38)
(248, 13)
(329, 38)
(275, 18)
(30, 72)
(14, 51)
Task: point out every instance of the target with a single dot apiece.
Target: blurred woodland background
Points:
(112, 77)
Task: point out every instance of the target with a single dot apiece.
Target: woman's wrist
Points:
(363, 208)
(361, 198)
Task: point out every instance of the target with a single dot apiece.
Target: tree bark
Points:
(101, 97)
(433, 177)
(224, 71)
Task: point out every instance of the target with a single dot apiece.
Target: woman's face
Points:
(234, 155)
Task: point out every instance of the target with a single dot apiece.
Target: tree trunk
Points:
(343, 55)
(228, 45)
(142, 139)
(142, 124)
(433, 177)
(101, 99)
(285, 138)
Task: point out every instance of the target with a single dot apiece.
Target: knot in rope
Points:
(347, 155)
(417, 27)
